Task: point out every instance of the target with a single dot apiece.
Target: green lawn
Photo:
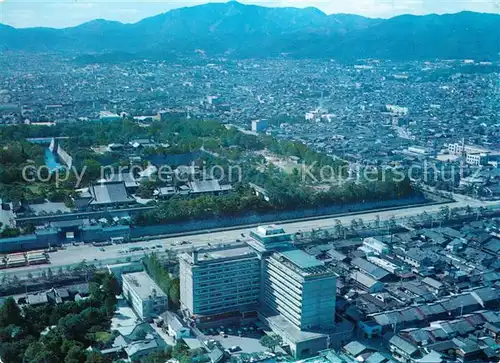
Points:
(103, 336)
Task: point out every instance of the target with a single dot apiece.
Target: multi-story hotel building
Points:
(301, 289)
(220, 283)
(291, 291)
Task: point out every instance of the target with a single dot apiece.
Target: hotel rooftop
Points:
(218, 253)
(302, 263)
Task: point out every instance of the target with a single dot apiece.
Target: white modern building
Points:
(144, 295)
(109, 116)
(375, 246)
(460, 148)
(473, 155)
(260, 125)
(298, 301)
(419, 150)
(477, 159)
(301, 289)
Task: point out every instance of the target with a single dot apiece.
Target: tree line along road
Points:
(74, 255)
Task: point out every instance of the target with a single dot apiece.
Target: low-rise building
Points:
(366, 283)
(108, 116)
(402, 350)
(376, 246)
(144, 295)
(173, 326)
(435, 286)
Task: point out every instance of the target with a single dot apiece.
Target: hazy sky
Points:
(64, 13)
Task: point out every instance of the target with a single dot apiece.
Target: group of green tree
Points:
(169, 285)
(285, 190)
(180, 352)
(181, 209)
(74, 326)
(14, 157)
(283, 194)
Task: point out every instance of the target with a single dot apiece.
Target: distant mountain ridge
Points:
(237, 30)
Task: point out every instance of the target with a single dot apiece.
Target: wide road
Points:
(73, 255)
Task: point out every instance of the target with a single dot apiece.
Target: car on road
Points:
(185, 243)
(102, 249)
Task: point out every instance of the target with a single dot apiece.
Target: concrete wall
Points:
(102, 234)
(50, 239)
(29, 242)
(253, 218)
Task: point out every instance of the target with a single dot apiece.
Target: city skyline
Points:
(65, 13)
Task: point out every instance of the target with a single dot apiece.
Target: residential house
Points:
(354, 349)
(423, 263)
(173, 326)
(365, 282)
(370, 269)
(435, 286)
(402, 350)
(39, 298)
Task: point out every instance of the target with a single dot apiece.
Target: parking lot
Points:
(237, 339)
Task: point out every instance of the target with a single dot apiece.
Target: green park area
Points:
(313, 183)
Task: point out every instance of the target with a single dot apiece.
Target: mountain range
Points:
(236, 30)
